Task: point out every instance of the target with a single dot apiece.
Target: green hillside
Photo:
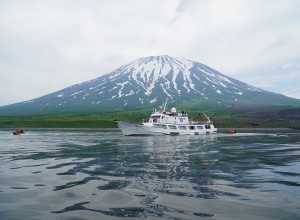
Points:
(285, 118)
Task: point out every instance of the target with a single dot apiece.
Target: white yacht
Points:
(168, 123)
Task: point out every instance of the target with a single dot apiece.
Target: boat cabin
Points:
(167, 117)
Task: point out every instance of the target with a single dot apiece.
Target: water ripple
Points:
(90, 175)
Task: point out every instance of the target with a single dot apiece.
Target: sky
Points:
(47, 45)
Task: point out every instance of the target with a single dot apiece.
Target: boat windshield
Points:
(155, 117)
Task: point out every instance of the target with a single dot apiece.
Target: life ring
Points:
(181, 119)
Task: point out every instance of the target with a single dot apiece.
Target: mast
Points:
(207, 118)
(165, 104)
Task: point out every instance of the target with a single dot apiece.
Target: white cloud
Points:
(49, 45)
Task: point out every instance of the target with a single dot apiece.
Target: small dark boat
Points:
(232, 131)
(18, 132)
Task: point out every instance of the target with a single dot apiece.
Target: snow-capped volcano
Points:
(147, 82)
(158, 77)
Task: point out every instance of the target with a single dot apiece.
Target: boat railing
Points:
(200, 122)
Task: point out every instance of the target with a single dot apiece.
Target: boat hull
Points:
(132, 129)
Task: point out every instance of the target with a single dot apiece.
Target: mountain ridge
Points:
(145, 83)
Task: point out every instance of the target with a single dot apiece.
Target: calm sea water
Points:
(104, 175)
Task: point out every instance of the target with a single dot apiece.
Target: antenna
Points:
(165, 104)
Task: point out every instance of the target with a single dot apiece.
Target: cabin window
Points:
(165, 126)
(155, 120)
(192, 127)
(182, 127)
(172, 127)
(207, 126)
(200, 127)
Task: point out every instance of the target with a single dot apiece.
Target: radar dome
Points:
(173, 110)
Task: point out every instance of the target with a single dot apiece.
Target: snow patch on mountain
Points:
(153, 100)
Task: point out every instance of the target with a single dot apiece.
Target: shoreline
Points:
(117, 129)
(64, 129)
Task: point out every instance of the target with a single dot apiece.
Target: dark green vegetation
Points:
(286, 118)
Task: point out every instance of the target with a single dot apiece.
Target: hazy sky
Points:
(47, 45)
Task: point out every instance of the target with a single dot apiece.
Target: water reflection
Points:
(173, 177)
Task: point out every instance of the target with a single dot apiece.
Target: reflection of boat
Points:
(18, 132)
(232, 131)
(169, 123)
